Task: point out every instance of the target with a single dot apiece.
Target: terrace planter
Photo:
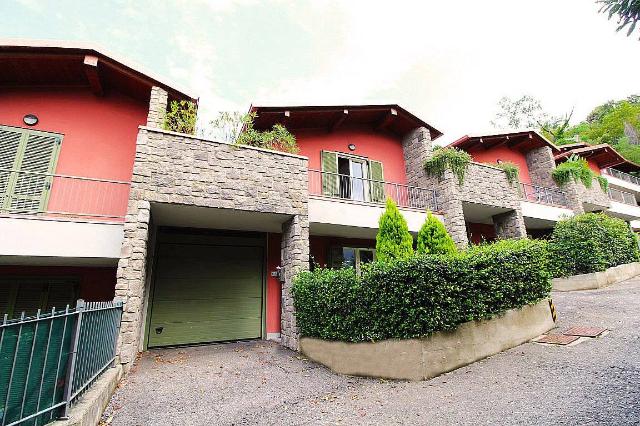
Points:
(424, 358)
(596, 280)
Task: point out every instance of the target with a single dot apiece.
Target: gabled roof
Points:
(390, 117)
(603, 155)
(522, 140)
(39, 63)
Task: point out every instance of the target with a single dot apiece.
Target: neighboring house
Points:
(69, 117)
(624, 188)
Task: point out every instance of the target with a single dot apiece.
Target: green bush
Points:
(181, 117)
(443, 159)
(393, 240)
(421, 295)
(433, 238)
(576, 169)
(590, 242)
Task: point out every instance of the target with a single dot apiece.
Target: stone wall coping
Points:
(597, 280)
(184, 135)
(441, 352)
(487, 165)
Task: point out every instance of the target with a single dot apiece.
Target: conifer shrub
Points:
(433, 238)
(393, 240)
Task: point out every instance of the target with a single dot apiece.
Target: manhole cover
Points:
(557, 339)
(585, 331)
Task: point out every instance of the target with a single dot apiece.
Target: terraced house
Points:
(201, 239)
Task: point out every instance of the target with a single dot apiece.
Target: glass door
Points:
(359, 184)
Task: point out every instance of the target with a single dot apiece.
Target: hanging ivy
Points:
(452, 159)
(576, 169)
(604, 183)
(511, 170)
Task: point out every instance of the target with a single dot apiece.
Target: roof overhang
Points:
(388, 117)
(36, 63)
(522, 140)
(603, 155)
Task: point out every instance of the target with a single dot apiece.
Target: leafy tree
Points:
(433, 238)
(608, 122)
(181, 117)
(627, 11)
(393, 240)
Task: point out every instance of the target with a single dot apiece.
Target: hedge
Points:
(590, 242)
(421, 295)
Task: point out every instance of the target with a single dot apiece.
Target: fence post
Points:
(71, 363)
(117, 303)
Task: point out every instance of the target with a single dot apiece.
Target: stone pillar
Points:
(449, 200)
(130, 281)
(295, 258)
(416, 146)
(574, 197)
(157, 107)
(541, 163)
(510, 224)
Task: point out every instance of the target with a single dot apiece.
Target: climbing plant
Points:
(511, 170)
(576, 169)
(453, 159)
(604, 183)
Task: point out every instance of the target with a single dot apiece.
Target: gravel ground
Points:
(594, 382)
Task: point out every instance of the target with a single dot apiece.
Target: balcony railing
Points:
(623, 197)
(622, 175)
(54, 195)
(347, 187)
(544, 195)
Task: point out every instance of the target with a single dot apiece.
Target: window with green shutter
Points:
(377, 177)
(330, 182)
(27, 159)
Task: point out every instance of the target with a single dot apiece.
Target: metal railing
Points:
(622, 175)
(622, 197)
(543, 195)
(347, 187)
(48, 360)
(27, 192)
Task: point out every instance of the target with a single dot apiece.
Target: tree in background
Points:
(393, 240)
(627, 12)
(181, 117)
(433, 238)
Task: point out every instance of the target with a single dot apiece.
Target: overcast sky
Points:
(448, 62)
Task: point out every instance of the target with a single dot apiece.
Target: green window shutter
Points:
(60, 294)
(36, 154)
(10, 143)
(330, 185)
(377, 186)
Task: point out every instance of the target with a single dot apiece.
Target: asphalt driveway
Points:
(595, 382)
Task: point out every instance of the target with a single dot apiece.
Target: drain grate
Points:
(556, 339)
(585, 331)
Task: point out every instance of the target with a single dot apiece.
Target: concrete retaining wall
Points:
(420, 359)
(597, 279)
(89, 408)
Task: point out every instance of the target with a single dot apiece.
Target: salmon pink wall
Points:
(274, 287)
(96, 284)
(504, 153)
(378, 146)
(594, 166)
(99, 142)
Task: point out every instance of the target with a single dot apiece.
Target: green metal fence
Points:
(48, 360)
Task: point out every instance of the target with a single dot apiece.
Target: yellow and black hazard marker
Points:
(553, 311)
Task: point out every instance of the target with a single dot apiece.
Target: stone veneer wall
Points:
(157, 107)
(541, 163)
(180, 169)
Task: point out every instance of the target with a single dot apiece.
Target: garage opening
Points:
(207, 287)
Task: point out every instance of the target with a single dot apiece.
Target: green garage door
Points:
(206, 293)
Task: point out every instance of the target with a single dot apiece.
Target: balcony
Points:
(543, 195)
(361, 190)
(622, 176)
(350, 207)
(622, 197)
(49, 219)
(61, 196)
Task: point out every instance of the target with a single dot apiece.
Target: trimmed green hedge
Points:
(590, 242)
(421, 295)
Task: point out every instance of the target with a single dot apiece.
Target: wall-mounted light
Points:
(352, 147)
(499, 161)
(30, 119)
